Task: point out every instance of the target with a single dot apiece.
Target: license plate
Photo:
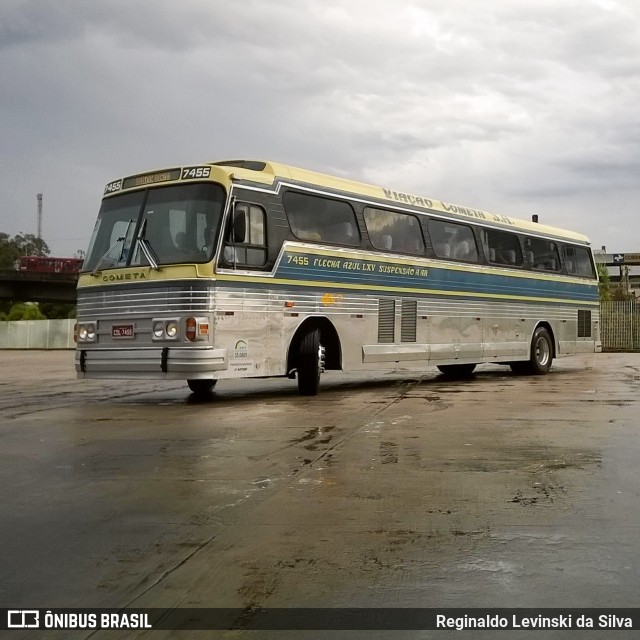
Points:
(122, 331)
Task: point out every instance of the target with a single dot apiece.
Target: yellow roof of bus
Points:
(273, 170)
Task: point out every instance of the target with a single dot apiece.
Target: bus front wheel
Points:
(310, 363)
(541, 357)
(201, 387)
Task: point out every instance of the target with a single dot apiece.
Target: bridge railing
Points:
(37, 334)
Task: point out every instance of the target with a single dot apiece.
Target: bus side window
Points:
(577, 261)
(453, 241)
(542, 254)
(394, 231)
(503, 248)
(320, 219)
(245, 241)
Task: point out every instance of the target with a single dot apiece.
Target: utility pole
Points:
(39, 198)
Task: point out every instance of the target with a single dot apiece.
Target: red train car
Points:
(46, 264)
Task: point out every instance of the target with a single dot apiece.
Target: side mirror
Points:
(239, 225)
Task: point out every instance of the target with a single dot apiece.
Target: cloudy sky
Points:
(512, 106)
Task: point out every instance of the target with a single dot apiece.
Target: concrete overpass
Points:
(622, 267)
(32, 286)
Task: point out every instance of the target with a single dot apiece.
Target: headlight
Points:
(172, 329)
(87, 332)
(164, 329)
(158, 329)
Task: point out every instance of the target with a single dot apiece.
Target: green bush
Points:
(25, 311)
(56, 311)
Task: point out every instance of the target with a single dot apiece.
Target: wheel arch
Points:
(328, 338)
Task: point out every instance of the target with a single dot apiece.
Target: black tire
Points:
(457, 370)
(541, 356)
(310, 363)
(201, 387)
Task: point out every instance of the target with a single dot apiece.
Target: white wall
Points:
(37, 334)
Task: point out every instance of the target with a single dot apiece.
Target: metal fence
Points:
(620, 325)
(37, 334)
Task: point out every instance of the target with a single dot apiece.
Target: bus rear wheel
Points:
(541, 357)
(310, 363)
(201, 387)
(457, 370)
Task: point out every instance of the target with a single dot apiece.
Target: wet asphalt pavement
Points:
(385, 490)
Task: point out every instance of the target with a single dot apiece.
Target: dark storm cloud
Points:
(24, 22)
(516, 107)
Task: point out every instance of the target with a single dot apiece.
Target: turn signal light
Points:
(191, 329)
(197, 329)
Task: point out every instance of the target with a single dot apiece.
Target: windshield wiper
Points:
(111, 248)
(146, 247)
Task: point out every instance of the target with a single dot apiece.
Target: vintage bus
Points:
(245, 268)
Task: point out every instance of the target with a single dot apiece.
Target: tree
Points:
(25, 311)
(623, 290)
(604, 286)
(30, 245)
(23, 244)
(9, 252)
(610, 291)
(53, 311)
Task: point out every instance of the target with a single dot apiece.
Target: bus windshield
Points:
(178, 224)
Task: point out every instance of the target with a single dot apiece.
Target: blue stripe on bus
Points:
(434, 278)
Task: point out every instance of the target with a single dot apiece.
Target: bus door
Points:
(246, 324)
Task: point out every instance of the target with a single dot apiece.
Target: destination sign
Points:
(145, 179)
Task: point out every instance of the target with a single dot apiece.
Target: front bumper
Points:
(168, 363)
